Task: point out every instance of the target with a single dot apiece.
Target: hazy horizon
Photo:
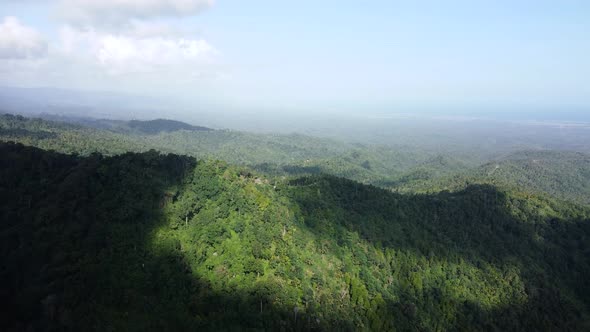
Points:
(461, 58)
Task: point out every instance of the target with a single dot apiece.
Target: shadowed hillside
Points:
(161, 242)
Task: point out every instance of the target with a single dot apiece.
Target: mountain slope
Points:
(153, 127)
(564, 175)
(161, 242)
(138, 127)
(560, 174)
(277, 154)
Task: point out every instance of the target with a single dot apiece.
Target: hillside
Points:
(428, 172)
(157, 126)
(147, 241)
(138, 127)
(275, 154)
(561, 174)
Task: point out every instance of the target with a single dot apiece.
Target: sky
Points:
(311, 55)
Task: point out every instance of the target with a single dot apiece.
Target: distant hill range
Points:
(153, 127)
(561, 174)
(148, 127)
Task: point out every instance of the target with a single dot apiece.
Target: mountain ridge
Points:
(207, 245)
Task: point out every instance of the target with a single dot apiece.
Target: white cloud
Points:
(104, 44)
(121, 54)
(119, 12)
(18, 41)
(128, 53)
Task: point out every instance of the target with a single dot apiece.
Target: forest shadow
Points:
(78, 252)
(476, 222)
(480, 225)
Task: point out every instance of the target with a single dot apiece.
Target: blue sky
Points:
(306, 54)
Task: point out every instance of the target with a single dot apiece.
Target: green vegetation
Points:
(162, 125)
(146, 241)
(564, 175)
(132, 127)
(275, 154)
(561, 174)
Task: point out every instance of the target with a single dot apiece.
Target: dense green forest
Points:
(561, 174)
(162, 125)
(277, 154)
(290, 166)
(151, 241)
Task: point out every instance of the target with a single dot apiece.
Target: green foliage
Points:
(153, 127)
(561, 174)
(278, 155)
(161, 242)
(564, 175)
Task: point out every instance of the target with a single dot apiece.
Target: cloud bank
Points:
(128, 53)
(18, 41)
(134, 45)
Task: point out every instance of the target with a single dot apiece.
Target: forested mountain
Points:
(558, 173)
(139, 127)
(183, 165)
(162, 125)
(426, 172)
(163, 242)
(561, 174)
(277, 154)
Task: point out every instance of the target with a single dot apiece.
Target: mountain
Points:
(292, 154)
(139, 127)
(561, 174)
(163, 242)
(427, 172)
(157, 126)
